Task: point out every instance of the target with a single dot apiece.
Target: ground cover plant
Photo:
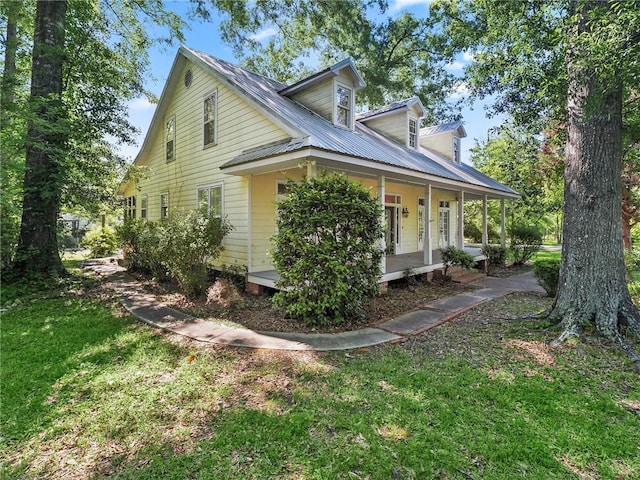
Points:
(89, 393)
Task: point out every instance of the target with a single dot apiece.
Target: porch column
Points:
(312, 171)
(249, 223)
(427, 243)
(485, 227)
(503, 230)
(461, 219)
(381, 195)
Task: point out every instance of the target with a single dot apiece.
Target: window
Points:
(456, 149)
(170, 139)
(164, 205)
(281, 190)
(413, 132)
(210, 118)
(144, 201)
(130, 207)
(343, 106)
(210, 197)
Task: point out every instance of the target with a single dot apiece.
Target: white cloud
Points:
(141, 104)
(468, 56)
(400, 4)
(461, 89)
(455, 65)
(263, 34)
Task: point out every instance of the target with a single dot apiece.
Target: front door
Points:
(444, 224)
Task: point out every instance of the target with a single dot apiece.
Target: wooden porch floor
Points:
(396, 265)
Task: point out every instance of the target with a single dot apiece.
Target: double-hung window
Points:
(210, 119)
(343, 106)
(164, 205)
(144, 203)
(413, 133)
(210, 199)
(130, 207)
(170, 139)
(456, 149)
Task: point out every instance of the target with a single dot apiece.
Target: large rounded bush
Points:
(327, 249)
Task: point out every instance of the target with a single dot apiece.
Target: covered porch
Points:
(395, 267)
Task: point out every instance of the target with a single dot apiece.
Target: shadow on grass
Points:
(44, 341)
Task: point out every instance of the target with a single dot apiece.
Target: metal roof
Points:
(445, 127)
(399, 105)
(317, 132)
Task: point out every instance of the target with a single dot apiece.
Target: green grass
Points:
(547, 255)
(88, 393)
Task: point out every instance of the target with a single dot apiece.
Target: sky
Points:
(205, 37)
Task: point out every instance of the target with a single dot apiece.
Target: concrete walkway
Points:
(145, 307)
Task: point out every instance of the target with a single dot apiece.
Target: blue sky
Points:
(205, 37)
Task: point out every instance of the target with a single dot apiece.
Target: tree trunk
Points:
(592, 286)
(7, 94)
(37, 251)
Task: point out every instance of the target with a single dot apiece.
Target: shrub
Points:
(472, 232)
(141, 244)
(101, 241)
(178, 247)
(496, 254)
(327, 249)
(547, 271)
(455, 256)
(236, 274)
(525, 241)
(632, 262)
(190, 240)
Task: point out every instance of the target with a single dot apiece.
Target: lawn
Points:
(87, 392)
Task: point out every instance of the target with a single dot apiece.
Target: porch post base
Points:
(383, 288)
(482, 265)
(254, 289)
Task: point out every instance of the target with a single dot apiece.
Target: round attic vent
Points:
(188, 77)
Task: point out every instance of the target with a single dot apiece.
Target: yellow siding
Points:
(239, 127)
(263, 214)
(442, 144)
(318, 98)
(394, 126)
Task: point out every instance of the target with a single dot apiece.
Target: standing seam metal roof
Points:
(362, 142)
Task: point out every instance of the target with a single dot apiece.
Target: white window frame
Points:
(144, 207)
(456, 149)
(336, 106)
(172, 118)
(164, 214)
(130, 207)
(211, 95)
(413, 135)
(208, 189)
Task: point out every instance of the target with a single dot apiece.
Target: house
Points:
(229, 139)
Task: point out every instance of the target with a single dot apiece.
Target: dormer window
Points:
(456, 149)
(344, 98)
(413, 133)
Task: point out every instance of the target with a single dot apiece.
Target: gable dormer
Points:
(399, 120)
(444, 139)
(330, 93)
